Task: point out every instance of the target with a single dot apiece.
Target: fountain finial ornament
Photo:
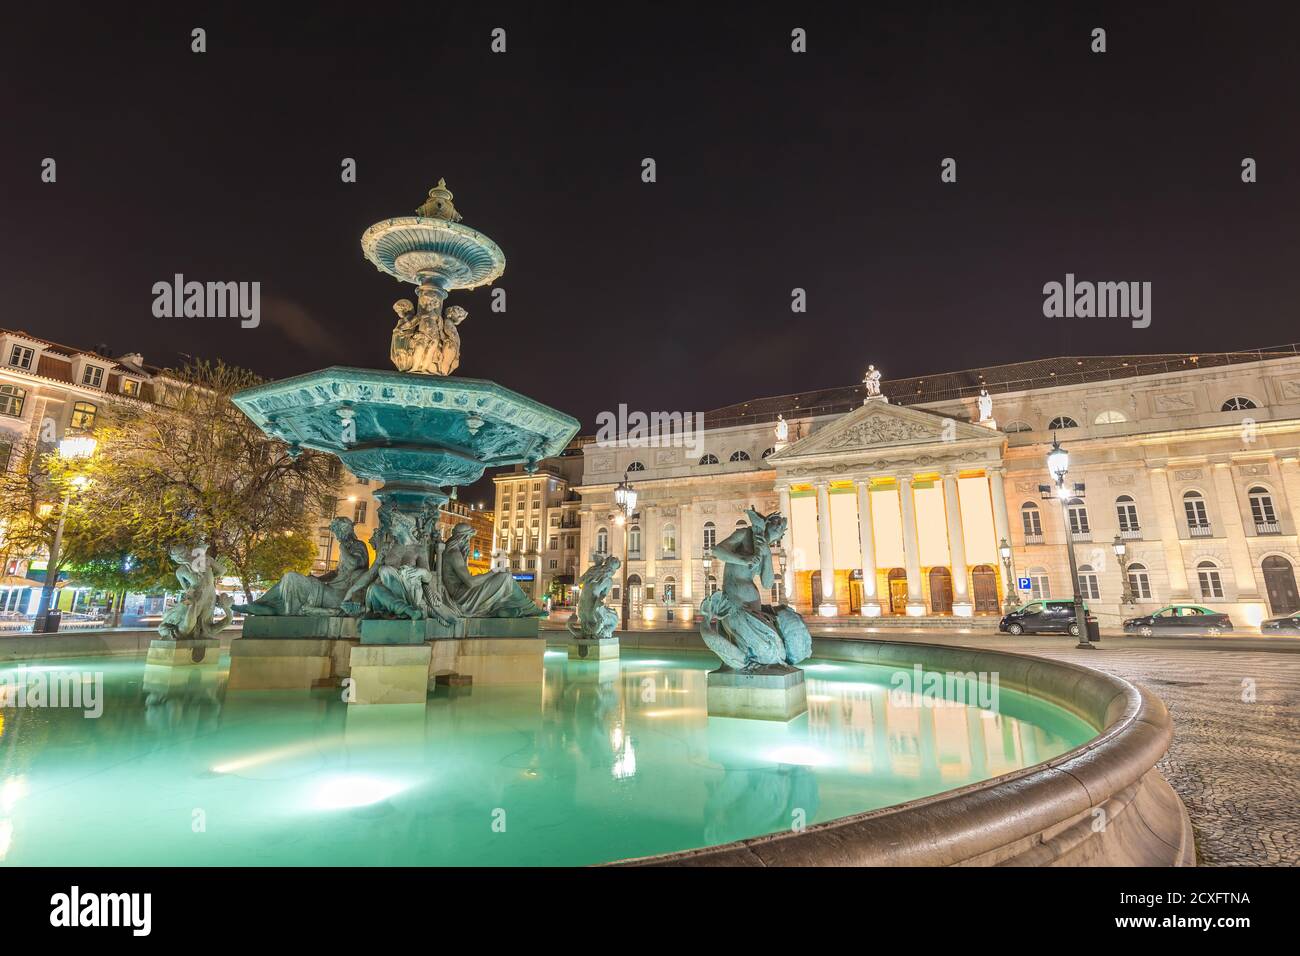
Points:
(439, 204)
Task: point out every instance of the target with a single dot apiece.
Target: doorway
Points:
(897, 591)
(984, 588)
(855, 592)
(1279, 581)
(940, 591)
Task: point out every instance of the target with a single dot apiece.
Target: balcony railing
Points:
(1268, 527)
(1033, 539)
(1081, 535)
(1201, 530)
(1132, 534)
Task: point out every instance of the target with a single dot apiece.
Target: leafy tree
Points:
(271, 558)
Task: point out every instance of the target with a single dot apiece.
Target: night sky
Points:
(775, 171)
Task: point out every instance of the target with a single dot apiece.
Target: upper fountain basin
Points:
(406, 426)
(416, 249)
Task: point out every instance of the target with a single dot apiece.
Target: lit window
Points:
(668, 539)
(83, 417)
(130, 386)
(11, 400)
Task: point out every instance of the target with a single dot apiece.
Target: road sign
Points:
(1023, 583)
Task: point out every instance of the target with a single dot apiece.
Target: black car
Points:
(1289, 622)
(1049, 616)
(1179, 618)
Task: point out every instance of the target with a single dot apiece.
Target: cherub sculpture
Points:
(425, 340)
(592, 620)
(305, 594)
(191, 618)
(735, 624)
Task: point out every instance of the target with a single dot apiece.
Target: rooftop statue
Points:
(307, 594)
(494, 594)
(985, 405)
(782, 428)
(872, 381)
(191, 618)
(736, 625)
(592, 620)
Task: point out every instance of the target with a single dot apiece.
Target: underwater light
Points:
(795, 754)
(340, 793)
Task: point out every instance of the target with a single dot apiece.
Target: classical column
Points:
(1167, 531)
(783, 497)
(961, 605)
(685, 516)
(826, 600)
(911, 552)
(867, 540)
(1243, 569)
(1288, 467)
(1002, 523)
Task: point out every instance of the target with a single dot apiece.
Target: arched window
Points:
(1033, 523)
(1078, 513)
(634, 539)
(1110, 418)
(739, 456)
(11, 400)
(742, 523)
(711, 585)
(1139, 582)
(1127, 511)
(710, 535)
(1088, 585)
(1038, 586)
(1207, 573)
(1238, 403)
(636, 466)
(769, 451)
(602, 540)
(668, 539)
(670, 590)
(83, 417)
(709, 460)
(1261, 509)
(1018, 426)
(1061, 421)
(1198, 519)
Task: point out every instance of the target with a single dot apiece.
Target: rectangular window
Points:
(130, 386)
(21, 357)
(1088, 587)
(1033, 524)
(1079, 520)
(359, 513)
(555, 542)
(92, 375)
(1128, 517)
(1140, 584)
(1038, 588)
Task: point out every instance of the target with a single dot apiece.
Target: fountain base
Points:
(775, 692)
(582, 649)
(389, 674)
(183, 653)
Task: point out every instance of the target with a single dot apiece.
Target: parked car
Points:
(1049, 616)
(1179, 618)
(1288, 622)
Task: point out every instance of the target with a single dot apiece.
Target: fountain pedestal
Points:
(183, 652)
(774, 692)
(389, 673)
(597, 649)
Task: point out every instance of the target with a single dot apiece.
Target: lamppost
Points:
(1058, 466)
(1013, 598)
(625, 500)
(81, 446)
(1121, 555)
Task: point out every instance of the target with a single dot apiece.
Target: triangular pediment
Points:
(878, 425)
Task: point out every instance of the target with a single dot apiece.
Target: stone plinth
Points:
(390, 674)
(592, 670)
(775, 692)
(285, 663)
(581, 649)
(489, 661)
(301, 625)
(183, 653)
(400, 631)
(164, 682)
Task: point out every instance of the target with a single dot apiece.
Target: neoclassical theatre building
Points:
(1183, 486)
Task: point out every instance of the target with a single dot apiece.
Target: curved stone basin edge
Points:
(1103, 803)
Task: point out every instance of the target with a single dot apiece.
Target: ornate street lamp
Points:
(1013, 598)
(1121, 555)
(625, 501)
(77, 447)
(1058, 465)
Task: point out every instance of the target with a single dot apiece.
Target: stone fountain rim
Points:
(1040, 815)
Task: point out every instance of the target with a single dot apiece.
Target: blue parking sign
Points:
(1023, 584)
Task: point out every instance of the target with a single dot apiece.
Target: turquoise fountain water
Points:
(591, 763)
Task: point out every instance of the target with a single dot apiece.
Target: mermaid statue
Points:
(735, 624)
(400, 583)
(593, 621)
(305, 594)
(494, 594)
